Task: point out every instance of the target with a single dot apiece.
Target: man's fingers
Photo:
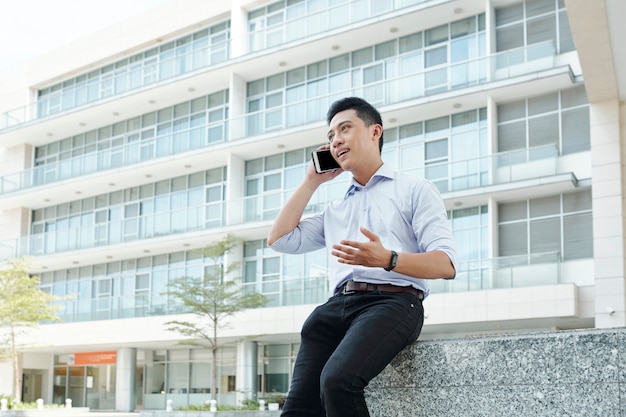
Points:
(371, 236)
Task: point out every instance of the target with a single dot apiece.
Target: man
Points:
(387, 236)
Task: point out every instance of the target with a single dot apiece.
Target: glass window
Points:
(543, 130)
(543, 104)
(577, 229)
(541, 29)
(436, 56)
(539, 7)
(545, 235)
(510, 14)
(512, 239)
(362, 57)
(531, 22)
(576, 131)
(200, 375)
(560, 118)
(436, 35)
(549, 226)
(509, 37)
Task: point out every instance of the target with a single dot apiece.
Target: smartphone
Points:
(323, 161)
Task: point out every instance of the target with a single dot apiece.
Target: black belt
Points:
(351, 287)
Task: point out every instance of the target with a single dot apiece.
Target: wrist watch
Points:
(392, 261)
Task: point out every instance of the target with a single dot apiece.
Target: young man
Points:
(387, 236)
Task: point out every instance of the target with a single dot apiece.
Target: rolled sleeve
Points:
(306, 237)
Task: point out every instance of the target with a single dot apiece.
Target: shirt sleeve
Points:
(431, 224)
(306, 237)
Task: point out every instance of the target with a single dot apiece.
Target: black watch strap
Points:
(393, 261)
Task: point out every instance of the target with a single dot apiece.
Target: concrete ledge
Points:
(46, 412)
(567, 373)
(161, 413)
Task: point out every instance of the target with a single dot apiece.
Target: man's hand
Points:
(318, 179)
(371, 253)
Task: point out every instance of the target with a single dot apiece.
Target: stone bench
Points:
(564, 373)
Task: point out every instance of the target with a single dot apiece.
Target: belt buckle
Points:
(346, 291)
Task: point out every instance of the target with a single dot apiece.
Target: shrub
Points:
(10, 401)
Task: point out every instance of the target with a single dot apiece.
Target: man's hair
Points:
(363, 109)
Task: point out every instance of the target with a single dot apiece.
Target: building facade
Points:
(126, 152)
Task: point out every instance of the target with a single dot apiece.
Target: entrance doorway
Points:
(32, 385)
(88, 379)
(86, 386)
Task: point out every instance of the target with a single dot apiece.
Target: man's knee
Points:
(335, 379)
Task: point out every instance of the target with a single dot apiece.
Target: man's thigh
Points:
(381, 325)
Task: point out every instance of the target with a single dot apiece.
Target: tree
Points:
(212, 298)
(23, 305)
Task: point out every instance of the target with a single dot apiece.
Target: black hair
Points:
(364, 111)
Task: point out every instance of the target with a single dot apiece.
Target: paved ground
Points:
(105, 414)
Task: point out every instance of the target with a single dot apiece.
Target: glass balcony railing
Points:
(459, 175)
(297, 25)
(504, 167)
(131, 153)
(504, 272)
(475, 275)
(416, 85)
(172, 64)
(285, 292)
(145, 73)
(396, 90)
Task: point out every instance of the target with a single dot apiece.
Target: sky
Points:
(29, 28)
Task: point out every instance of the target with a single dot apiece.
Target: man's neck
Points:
(365, 175)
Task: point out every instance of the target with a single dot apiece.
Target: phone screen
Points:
(323, 161)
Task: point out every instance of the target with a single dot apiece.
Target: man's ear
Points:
(377, 131)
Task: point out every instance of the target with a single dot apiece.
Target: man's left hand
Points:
(371, 253)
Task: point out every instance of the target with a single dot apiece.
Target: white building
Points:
(124, 152)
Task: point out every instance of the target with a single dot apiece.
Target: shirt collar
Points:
(384, 172)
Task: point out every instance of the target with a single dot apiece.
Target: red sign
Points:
(95, 358)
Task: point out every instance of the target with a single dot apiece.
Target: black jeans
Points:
(345, 343)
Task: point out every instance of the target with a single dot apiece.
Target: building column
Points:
(247, 382)
(607, 154)
(125, 396)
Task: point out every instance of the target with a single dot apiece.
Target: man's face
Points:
(351, 142)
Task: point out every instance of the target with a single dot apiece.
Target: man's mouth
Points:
(341, 153)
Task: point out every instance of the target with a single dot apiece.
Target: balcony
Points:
(475, 275)
(503, 272)
(117, 83)
(407, 88)
(413, 87)
(175, 64)
(279, 30)
(286, 292)
(454, 176)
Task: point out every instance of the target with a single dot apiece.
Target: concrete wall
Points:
(569, 373)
